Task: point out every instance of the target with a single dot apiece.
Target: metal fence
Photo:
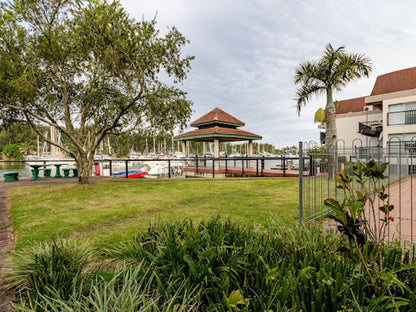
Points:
(318, 184)
(256, 166)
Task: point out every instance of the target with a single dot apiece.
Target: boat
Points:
(133, 174)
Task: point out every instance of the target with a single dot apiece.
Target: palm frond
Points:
(304, 72)
(331, 72)
(305, 92)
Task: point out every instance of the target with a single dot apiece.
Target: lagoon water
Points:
(24, 171)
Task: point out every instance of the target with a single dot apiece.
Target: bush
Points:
(44, 269)
(218, 265)
(277, 268)
(130, 290)
(12, 152)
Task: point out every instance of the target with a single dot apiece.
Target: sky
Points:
(246, 53)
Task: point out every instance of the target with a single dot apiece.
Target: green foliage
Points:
(362, 189)
(43, 269)
(12, 152)
(17, 133)
(218, 265)
(87, 66)
(331, 72)
(278, 268)
(129, 290)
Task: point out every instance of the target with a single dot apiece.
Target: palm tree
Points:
(331, 72)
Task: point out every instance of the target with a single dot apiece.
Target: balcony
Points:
(371, 128)
(402, 118)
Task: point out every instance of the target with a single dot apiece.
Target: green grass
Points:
(113, 211)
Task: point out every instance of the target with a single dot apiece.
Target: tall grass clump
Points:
(129, 290)
(49, 269)
(216, 265)
(274, 268)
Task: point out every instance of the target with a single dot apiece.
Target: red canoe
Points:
(135, 175)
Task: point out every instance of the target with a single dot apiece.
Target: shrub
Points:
(276, 268)
(12, 152)
(129, 290)
(218, 265)
(44, 269)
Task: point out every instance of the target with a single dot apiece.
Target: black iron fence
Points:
(257, 166)
(320, 184)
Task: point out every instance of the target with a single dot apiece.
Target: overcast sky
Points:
(246, 53)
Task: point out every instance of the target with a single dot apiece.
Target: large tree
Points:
(88, 69)
(332, 72)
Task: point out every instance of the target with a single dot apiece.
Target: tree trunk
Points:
(84, 165)
(331, 135)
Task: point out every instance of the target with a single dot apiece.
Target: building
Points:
(385, 117)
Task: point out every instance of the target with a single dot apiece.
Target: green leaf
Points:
(334, 205)
(235, 298)
(387, 208)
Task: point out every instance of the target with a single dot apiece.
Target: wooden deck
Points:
(239, 171)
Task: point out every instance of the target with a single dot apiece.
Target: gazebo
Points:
(217, 126)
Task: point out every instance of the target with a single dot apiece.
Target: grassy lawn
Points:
(114, 210)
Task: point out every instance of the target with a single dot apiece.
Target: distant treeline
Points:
(143, 141)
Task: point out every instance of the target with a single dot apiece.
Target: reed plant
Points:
(217, 265)
(43, 269)
(269, 268)
(129, 290)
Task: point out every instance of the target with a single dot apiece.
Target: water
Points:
(24, 171)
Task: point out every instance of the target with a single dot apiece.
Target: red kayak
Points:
(135, 175)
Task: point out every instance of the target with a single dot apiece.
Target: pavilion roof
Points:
(224, 134)
(217, 116)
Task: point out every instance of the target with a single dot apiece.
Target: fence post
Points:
(284, 166)
(300, 182)
(196, 163)
(169, 168)
(213, 167)
(242, 166)
(257, 167)
(226, 163)
(262, 166)
(127, 169)
(311, 166)
(111, 168)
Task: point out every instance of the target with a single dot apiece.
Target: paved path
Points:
(403, 197)
(6, 229)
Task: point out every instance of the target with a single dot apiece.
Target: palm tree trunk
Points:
(331, 134)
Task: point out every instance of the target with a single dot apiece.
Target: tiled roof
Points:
(351, 105)
(218, 132)
(217, 114)
(400, 80)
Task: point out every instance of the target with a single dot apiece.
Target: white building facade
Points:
(387, 116)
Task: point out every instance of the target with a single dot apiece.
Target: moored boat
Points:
(134, 174)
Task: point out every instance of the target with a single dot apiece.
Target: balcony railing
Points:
(371, 128)
(402, 118)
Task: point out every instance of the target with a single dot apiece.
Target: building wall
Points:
(347, 128)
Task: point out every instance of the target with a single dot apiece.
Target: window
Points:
(402, 114)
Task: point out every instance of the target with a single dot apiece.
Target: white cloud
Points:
(246, 52)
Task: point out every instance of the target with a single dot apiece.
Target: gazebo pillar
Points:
(216, 153)
(250, 152)
(184, 149)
